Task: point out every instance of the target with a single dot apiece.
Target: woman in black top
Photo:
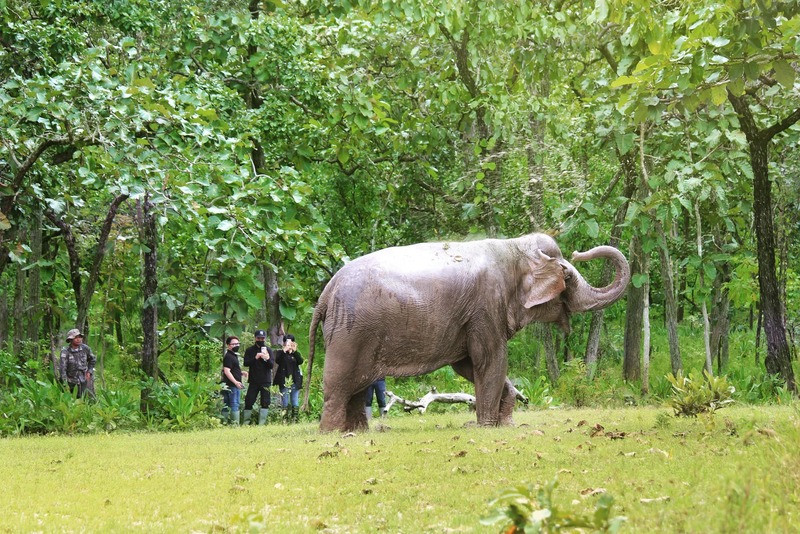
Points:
(289, 361)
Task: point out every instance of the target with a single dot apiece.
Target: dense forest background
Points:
(172, 172)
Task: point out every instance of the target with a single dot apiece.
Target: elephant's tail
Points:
(319, 315)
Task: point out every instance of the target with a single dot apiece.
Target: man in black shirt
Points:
(259, 360)
(232, 378)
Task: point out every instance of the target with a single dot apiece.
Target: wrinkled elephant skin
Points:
(406, 311)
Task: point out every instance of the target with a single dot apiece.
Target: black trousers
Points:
(253, 391)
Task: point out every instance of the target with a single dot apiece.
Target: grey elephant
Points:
(406, 311)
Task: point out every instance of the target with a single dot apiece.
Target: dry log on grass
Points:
(434, 396)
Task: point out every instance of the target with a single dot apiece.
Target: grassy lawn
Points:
(737, 471)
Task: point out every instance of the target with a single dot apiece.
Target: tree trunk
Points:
(709, 365)
(670, 306)
(149, 241)
(596, 324)
(758, 333)
(97, 261)
(682, 276)
(72, 253)
(51, 321)
(646, 331)
(19, 313)
(34, 284)
(118, 323)
(272, 303)
(719, 318)
(778, 359)
(3, 319)
(536, 215)
(546, 335)
(631, 368)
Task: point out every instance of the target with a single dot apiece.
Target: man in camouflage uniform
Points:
(76, 365)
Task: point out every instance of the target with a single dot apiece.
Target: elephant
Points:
(409, 310)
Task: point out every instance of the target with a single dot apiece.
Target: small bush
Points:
(532, 509)
(183, 406)
(574, 385)
(692, 396)
(537, 390)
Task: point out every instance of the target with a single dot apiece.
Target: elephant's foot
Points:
(356, 418)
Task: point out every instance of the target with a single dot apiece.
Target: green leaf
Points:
(639, 279)
(226, 225)
(784, 73)
(287, 312)
(719, 94)
(624, 142)
(623, 80)
(592, 228)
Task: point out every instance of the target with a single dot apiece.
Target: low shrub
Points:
(532, 509)
(182, 406)
(692, 396)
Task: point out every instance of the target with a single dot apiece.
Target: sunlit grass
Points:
(736, 471)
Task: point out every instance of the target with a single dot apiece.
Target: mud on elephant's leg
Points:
(356, 414)
(507, 402)
(334, 413)
(489, 367)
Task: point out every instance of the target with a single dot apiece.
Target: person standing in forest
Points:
(289, 361)
(379, 389)
(76, 364)
(259, 361)
(232, 378)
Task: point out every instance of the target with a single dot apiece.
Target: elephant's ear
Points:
(544, 281)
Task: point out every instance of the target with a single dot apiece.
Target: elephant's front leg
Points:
(507, 400)
(490, 365)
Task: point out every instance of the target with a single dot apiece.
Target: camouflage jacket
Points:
(74, 363)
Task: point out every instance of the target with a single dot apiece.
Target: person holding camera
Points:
(232, 378)
(258, 359)
(289, 361)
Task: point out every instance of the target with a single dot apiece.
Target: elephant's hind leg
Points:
(356, 413)
(334, 414)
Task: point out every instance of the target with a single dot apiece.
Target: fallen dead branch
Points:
(447, 398)
(431, 397)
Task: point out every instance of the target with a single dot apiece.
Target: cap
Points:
(72, 334)
(260, 333)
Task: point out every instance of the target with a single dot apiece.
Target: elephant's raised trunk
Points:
(582, 296)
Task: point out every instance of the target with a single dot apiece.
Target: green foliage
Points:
(30, 405)
(537, 390)
(183, 406)
(532, 509)
(692, 396)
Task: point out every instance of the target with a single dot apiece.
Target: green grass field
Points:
(736, 471)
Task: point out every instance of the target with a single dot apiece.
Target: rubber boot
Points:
(225, 415)
(235, 418)
(368, 412)
(295, 414)
(262, 416)
(247, 415)
(285, 415)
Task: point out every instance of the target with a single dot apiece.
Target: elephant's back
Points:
(400, 295)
